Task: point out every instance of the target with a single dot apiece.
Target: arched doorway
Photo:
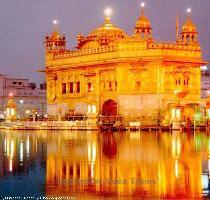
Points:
(109, 108)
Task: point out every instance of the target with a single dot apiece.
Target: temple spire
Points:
(177, 27)
(189, 34)
(143, 28)
(55, 42)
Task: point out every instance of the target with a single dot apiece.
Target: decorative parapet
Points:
(173, 46)
(84, 52)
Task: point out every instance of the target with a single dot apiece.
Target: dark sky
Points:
(24, 23)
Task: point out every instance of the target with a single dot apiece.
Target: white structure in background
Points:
(26, 96)
(205, 82)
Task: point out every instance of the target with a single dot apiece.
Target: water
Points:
(93, 165)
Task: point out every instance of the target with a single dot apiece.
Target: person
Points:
(171, 126)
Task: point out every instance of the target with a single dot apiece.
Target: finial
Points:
(142, 8)
(177, 27)
(189, 10)
(107, 12)
(55, 23)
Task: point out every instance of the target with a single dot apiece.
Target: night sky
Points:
(24, 24)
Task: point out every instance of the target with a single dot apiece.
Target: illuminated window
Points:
(77, 87)
(71, 87)
(89, 87)
(178, 113)
(89, 109)
(64, 88)
(93, 109)
(175, 113)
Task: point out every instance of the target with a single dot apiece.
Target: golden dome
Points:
(189, 26)
(55, 36)
(107, 29)
(143, 22)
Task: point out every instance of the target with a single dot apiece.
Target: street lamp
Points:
(10, 94)
(21, 108)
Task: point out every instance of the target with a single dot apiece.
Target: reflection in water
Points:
(161, 165)
(22, 163)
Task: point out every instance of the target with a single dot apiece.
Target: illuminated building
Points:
(25, 95)
(113, 73)
(205, 83)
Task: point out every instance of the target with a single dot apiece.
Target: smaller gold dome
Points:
(189, 26)
(143, 22)
(55, 36)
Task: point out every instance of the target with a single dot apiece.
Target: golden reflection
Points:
(127, 164)
(14, 145)
(21, 151)
(27, 146)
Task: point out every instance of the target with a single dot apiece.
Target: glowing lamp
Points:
(10, 94)
(108, 12)
(142, 4)
(189, 10)
(55, 22)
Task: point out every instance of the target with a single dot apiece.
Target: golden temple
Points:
(112, 73)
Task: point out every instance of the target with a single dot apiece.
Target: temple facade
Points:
(112, 73)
